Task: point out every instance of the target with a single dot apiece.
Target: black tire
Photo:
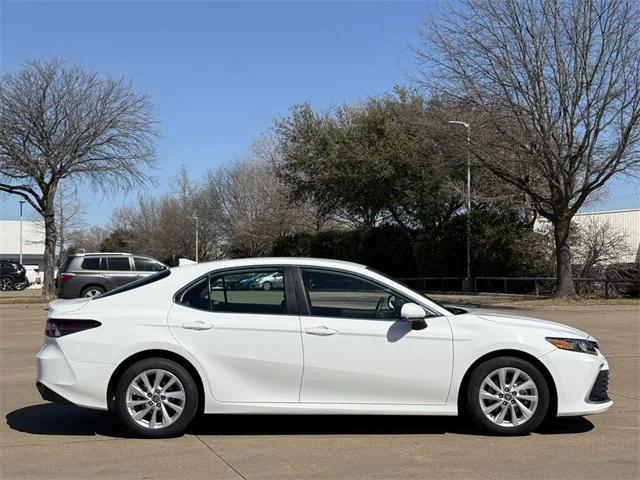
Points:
(96, 288)
(21, 285)
(190, 406)
(474, 406)
(266, 286)
(6, 284)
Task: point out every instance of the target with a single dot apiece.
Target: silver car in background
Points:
(91, 274)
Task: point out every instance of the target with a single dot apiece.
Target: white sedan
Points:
(339, 338)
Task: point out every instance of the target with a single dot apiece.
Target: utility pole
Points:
(467, 285)
(196, 219)
(22, 202)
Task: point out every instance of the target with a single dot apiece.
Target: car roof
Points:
(112, 254)
(204, 267)
(97, 254)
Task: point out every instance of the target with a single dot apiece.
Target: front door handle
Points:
(198, 326)
(320, 331)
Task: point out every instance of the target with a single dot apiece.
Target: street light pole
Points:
(196, 219)
(467, 286)
(22, 202)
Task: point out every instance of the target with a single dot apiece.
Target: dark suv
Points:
(90, 274)
(12, 275)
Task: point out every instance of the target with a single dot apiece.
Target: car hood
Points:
(64, 306)
(551, 328)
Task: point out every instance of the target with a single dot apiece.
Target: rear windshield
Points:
(64, 265)
(135, 284)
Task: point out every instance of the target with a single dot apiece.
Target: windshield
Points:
(455, 311)
(137, 283)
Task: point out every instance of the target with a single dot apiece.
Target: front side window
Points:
(258, 291)
(118, 263)
(336, 294)
(144, 264)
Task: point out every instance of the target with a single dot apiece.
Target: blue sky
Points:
(220, 72)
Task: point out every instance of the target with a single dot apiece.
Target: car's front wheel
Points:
(507, 396)
(156, 397)
(6, 283)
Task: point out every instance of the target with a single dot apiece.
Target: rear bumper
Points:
(80, 383)
(49, 395)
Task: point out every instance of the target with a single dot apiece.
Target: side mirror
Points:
(414, 313)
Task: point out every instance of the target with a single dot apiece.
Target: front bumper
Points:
(581, 381)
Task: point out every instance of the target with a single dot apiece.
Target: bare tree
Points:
(69, 213)
(63, 122)
(88, 240)
(555, 90)
(253, 202)
(598, 244)
(165, 228)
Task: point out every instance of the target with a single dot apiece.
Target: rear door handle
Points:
(320, 331)
(198, 326)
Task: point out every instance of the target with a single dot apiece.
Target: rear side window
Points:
(197, 296)
(144, 264)
(118, 263)
(257, 291)
(91, 263)
(136, 284)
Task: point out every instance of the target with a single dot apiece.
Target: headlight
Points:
(574, 344)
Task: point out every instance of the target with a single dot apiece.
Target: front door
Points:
(245, 338)
(357, 350)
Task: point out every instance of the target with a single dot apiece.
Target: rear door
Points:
(120, 270)
(145, 266)
(246, 339)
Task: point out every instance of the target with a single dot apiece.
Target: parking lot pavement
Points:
(43, 440)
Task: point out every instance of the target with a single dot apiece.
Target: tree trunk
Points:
(50, 241)
(564, 275)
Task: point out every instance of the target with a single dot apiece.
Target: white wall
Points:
(32, 238)
(625, 221)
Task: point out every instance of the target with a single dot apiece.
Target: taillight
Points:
(56, 327)
(64, 277)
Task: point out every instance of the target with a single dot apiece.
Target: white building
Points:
(32, 242)
(626, 222)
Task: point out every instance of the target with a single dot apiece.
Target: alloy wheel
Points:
(6, 284)
(92, 292)
(155, 399)
(508, 397)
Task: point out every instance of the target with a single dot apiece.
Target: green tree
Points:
(371, 163)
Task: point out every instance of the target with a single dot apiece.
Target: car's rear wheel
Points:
(156, 397)
(507, 396)
(92, 291)
(267, 286)
(6, 283)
